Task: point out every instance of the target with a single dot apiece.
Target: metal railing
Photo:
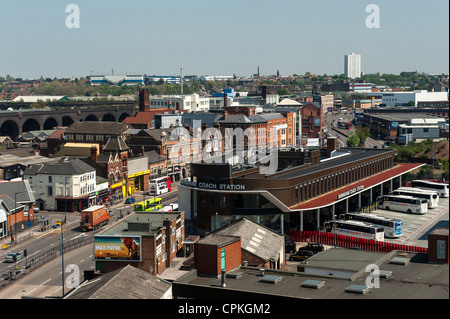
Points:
(44, 258)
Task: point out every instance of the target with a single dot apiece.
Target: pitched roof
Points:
(255, 238)
(65, 166)
(124, 283)
(20, 190)
(115, 144)
(140, 118)
(289, 102)
(98, 127)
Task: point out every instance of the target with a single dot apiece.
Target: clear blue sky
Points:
(220, 37)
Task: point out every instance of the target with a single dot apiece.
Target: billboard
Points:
(118, 248)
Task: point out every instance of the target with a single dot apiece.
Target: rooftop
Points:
(97, 127)
(355, 154)
(414, 280)
(255, 238)
(64, 166)
(141, 223)
(366, 183)
(137, 284)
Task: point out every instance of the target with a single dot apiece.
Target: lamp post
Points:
(62, 233)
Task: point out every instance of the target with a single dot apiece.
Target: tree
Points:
(353, 140)
(363, 133)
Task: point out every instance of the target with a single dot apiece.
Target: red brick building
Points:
(312, 123)
(161, 237)
(216, 252)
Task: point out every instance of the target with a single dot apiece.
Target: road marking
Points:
(30, 291)
(80, 235)
(45, 282)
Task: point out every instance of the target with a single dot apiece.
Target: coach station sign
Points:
(232, 187)
(350, 192)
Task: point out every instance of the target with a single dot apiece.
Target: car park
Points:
(13, 257)
(301, 255)
(314, 247)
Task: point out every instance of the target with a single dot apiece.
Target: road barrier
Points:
(351, 242)
(42, 259)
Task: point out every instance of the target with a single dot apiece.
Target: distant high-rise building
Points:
(352, 65)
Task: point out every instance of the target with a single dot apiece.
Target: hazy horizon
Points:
(205, 38)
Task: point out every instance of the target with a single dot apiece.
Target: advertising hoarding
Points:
(118, 248)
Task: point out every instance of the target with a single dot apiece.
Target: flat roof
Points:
(401, 116)
(153, 219)
(332, 197)
(355, 154)
(416, 280)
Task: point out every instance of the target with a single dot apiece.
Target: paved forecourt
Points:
(414, 224)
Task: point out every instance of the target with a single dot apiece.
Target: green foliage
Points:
(353, 140)
(405, 152)
(363, 132)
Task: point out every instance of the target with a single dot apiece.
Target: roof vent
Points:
(385, 273)
(357, 289)
(399, 261)
(271, 279)
(313, 284)
(234, 275)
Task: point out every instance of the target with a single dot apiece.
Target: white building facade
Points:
(69, 185)
(352, 65)
(392, 99)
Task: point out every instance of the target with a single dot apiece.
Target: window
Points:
(50, 179)
(222, 201)
(211, 200)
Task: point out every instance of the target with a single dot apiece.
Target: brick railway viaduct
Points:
(16, 122)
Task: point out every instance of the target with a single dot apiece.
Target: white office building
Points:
(190, 102)
(352, 65)
(392, 99)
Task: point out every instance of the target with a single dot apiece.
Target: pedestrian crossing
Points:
(412, 223)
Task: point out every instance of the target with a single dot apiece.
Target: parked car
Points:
(130, 200)
(314, 247)
(289, 245)
(301, 255)
(36, 209)
(12, 257)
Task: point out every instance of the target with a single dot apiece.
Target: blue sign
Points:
(317, 122)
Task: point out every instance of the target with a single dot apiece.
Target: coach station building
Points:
(307, 190)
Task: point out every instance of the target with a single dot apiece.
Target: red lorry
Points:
(94, 217)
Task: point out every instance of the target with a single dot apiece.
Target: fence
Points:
(351, 242)
(42, 259)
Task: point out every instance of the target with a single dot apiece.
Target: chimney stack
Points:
(94, 154)
(144, 100)
(225, 101)
(332, 145)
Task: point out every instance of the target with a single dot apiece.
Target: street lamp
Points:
(62, 233)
